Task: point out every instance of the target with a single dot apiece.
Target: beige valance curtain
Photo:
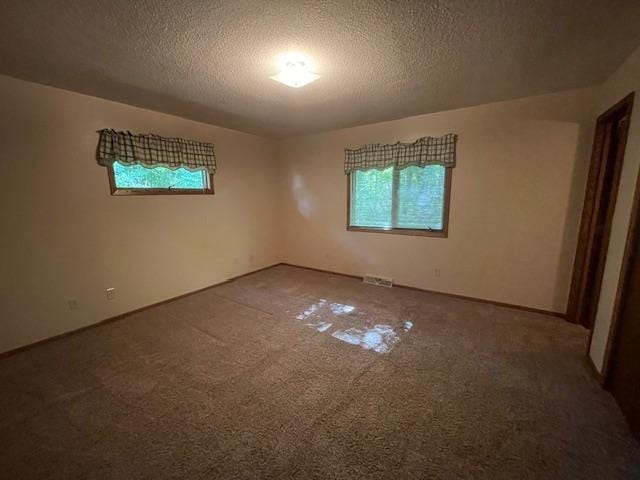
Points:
(424, 151)
(153, 150)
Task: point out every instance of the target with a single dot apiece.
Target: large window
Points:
(413, 200)
(140, 180)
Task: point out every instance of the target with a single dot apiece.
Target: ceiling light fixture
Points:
(295, 71)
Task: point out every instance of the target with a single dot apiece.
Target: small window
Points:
(413, 200)
(140, 180)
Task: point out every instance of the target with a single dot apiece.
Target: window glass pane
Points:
(421, 197)
(137, 176)
(371, 198)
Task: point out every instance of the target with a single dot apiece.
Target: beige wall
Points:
(621, 83)
(65, 237)
(515, 205)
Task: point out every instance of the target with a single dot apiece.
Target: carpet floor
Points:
(290, 373)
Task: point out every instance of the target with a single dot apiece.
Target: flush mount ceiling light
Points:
(295, 71)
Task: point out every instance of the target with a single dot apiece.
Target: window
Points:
(413, 200)
(139, 180)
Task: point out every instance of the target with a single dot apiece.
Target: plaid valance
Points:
(153, 151)
(424, 151)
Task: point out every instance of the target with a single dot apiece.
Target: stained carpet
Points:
(290, 373)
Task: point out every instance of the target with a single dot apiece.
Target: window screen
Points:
(412, 198)
(139, 179)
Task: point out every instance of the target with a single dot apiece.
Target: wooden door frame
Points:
(632, 242)
(595, 182)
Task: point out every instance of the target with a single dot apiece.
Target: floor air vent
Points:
(380, 281)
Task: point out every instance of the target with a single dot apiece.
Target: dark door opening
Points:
(600, 199)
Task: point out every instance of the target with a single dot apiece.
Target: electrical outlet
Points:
(111, 293)
(436, 272)
(73, 304)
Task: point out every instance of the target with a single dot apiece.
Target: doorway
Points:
(600, 198)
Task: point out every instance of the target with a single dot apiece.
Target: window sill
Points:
(401, 231)
(159, 191)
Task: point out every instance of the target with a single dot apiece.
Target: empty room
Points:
(296, 239)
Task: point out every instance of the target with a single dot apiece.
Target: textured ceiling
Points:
(379, 60)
